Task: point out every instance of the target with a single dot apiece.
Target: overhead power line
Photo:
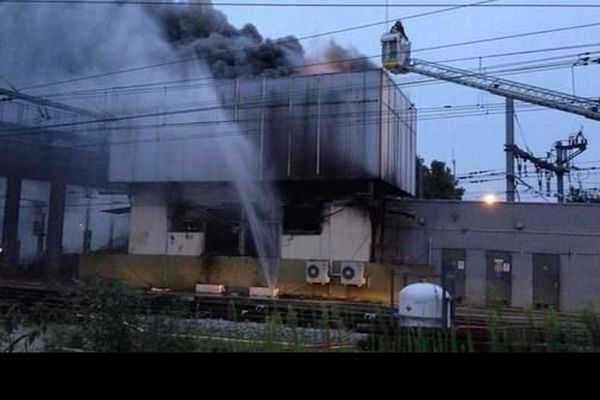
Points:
(306, 5)
(519, 53)
(188, 83)
(506, 37)
(302, 38)
(206, 107)
(214, 105)
(194, 59)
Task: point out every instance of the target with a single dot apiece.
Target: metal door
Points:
(454, 264)
(499, 277)
(546, 280)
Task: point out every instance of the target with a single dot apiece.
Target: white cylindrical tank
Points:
(420, 304)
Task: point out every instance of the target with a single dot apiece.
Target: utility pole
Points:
(561, 159)
(87, 233)
(453, 164)
(510, 143)
(565, 151)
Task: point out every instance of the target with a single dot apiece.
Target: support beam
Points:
(47, 103)
(10, 226)
(87, 232)
(510, 158)
(56, 217)
(561, 160)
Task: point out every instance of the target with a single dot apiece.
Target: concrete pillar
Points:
(56, 217)
(10, 227)
(510, 156)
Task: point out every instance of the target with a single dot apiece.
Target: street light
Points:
(490, 199)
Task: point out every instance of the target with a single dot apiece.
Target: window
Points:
(186, 218)
(390, 50)
(302, 220)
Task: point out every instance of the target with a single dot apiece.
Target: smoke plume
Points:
(229, 52)
(335, 58)
(45, 42)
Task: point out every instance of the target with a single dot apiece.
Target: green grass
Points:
(107, 317)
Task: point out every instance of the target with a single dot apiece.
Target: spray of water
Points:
(258, 200)
(47, 43)
(254, 189)
(50, 43)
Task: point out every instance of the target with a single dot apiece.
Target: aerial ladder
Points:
(397, 59)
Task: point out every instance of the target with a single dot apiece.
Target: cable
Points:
(217, 83)
(518, 53)
(521, 132)
(506, 37)
(42, 130)
(417, 50)
(307, 5)
(358, 27)
(100, 121)
(102, 91)
(509, 72)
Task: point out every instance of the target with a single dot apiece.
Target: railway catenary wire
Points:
(373, 319)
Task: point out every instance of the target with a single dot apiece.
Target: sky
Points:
(476, 143)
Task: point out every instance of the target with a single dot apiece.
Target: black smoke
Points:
(228, 51)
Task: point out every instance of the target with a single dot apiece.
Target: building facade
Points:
(518, 254)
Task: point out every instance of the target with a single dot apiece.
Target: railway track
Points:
(377, 320)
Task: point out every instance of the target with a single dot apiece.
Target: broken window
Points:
(222, 232)
(187, 218)
(302, 220)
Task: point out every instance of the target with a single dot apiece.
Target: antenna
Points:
(387, 16)
(453, 163)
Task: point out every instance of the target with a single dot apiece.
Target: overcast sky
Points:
(477, 141)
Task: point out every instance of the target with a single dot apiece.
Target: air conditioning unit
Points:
(353, 273)
(317, 271)
(209, 289)
(263, 292)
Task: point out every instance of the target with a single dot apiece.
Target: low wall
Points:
(238, 274)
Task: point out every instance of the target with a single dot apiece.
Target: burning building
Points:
(217, 132)
(327, 146)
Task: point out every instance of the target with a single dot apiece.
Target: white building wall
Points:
(149, 223)
(35, 196)
(185, 243)
(299, 247)
(346, 236)
(102, 224)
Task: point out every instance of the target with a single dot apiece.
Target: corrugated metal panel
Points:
(345, 126)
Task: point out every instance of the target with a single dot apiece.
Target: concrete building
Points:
(50, 152)
(339, 152)
(521, 254)
(329, 146)
(93, 220)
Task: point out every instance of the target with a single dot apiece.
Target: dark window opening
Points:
(222, 232)
(302, 220)
(185, 218)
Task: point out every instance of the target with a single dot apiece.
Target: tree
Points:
(437, 181)
(579, 195)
